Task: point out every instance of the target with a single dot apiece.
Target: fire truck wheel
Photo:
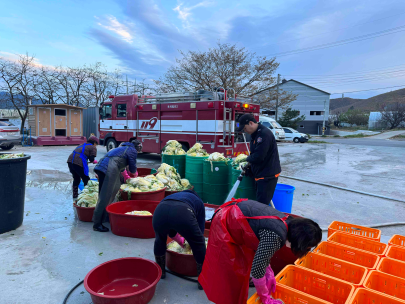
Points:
(111, 144)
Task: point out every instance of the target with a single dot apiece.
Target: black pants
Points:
(78, 174)
(171, 217)
(265, 189)
(101, 177)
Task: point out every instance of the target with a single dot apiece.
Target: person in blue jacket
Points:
(181, 216)
(109, 170)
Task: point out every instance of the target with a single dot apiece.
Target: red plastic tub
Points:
(135, 226)
(85, 214)
(167, 193)
(123, 281)
(142, 172)
(183, 264)
(149, 196)
(208, 223)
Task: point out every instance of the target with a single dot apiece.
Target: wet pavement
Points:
(52, 251)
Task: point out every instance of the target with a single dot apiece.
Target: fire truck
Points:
(206, 117)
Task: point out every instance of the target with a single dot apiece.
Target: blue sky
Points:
(142, 37)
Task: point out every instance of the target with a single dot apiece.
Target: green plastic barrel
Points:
(177, 161)
(194, 172)
(230, 184)
(246, 188)
(215, 182)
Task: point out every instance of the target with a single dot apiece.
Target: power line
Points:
(369, 90)
(342, 42)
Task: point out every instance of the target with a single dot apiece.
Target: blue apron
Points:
(83, 157)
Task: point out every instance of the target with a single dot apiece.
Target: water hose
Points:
(345, 189)
(168, 271)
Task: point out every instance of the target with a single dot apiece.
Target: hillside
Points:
(371, 104)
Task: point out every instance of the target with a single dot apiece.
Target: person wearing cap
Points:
(109, 170)
(77, 163)
(264, 161)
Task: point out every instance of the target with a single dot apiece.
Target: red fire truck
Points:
(206, 117)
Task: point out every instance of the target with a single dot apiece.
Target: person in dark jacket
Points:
(77, 163)
(108, 171)
(181, 216)
(244, 235)
(263, 160)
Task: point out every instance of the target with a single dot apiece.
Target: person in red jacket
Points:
(78, 166)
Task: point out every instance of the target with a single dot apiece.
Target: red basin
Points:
(150, 196)
(116, 279)
(136, 226)
(208, 223)
(142, 172)
(183, 264)
(85, 214)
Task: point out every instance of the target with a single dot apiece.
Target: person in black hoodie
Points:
(263, 160)
(181, 216)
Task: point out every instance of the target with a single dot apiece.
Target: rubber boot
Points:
(199, 269)
(100, 228)
(75, 190)
(161, 261)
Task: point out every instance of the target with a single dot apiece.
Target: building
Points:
(311, 102)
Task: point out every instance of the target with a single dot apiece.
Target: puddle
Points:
(49, 179)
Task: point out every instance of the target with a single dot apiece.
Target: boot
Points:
(100, 228)
(75, 190)
(161, 261)
(199, 269)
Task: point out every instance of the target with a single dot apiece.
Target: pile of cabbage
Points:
(239, 162)
(175, 247)
(173, 147)
(136, 212)
(197, 151)
(216, 156)
(171, 179)
(11, 155)
(148, 183)
(89, 196)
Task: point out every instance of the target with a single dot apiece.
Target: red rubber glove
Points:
(179, 239)
(95, 161)
(270, 280)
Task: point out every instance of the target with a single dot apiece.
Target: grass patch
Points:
(360, 135)
(318, 142)
(399, 137)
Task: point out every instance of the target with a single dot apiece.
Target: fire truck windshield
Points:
(106, 111)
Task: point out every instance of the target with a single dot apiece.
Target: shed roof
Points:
(57, 105)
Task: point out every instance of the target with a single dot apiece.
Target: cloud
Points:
(15, 57)
(118, 28)
(184, 13)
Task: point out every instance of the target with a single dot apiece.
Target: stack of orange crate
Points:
(338, 270)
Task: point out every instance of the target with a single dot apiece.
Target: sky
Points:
(359, 45)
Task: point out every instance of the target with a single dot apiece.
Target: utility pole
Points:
(324, 115)
(278, 81)
(127, 83)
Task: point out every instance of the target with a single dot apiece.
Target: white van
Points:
(274, 126)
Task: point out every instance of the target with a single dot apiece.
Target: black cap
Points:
(243, 121)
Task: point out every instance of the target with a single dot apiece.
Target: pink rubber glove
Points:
(270, 280)
(179, 239)
(136, 173)
(95, 161)
(263, 292)
(125, 175)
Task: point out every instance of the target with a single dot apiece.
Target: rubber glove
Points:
(179, 239)
(262, 291)
(136, 173)
(95, 161)
(125, 175)
(270, 280)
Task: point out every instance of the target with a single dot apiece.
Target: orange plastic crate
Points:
(349, 272)
(358, 242)
(396, 252)
(385, 283)
(315, 284)
(370, 233)
(289, 296)
(398, 240)
(393, 267)
(349, 254)
(367, 296)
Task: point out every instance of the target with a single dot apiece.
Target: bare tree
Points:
(97, 85)
(393, 114)
(116, 83)
(226, 66)
(47, 86)
(72, 82)
(267, 99)
(142, 88)
(18, 80)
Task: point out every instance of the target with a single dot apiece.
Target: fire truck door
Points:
(120, 123)
(149, 130)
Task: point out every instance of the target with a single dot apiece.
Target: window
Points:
(31, 111)
(267, 124)
(60, 112)
(105, 111)
(60, 132)
(302, 126)
(318, 113)
(287, 131)
(276, 125)
(6, 124)
(269, 112)
(122, 110)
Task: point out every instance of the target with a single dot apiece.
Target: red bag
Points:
(230, 252)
